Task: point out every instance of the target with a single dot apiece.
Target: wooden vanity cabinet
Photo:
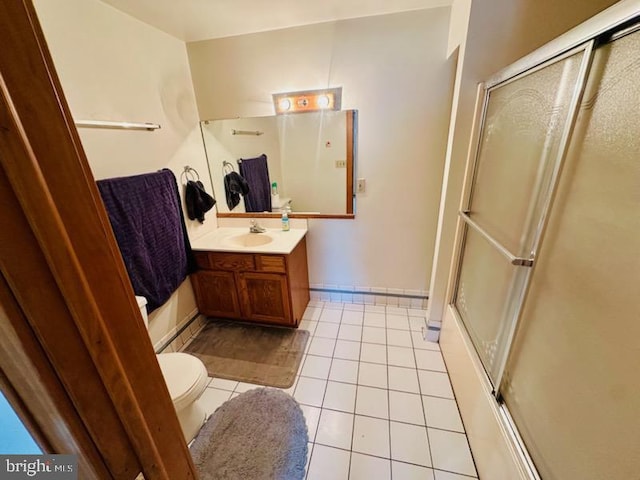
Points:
(266, 288)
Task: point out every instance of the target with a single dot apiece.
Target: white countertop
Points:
(230, 239)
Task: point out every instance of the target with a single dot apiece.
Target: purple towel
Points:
(146, 216)
(256, 173)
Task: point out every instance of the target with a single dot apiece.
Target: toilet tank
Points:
(142, 305)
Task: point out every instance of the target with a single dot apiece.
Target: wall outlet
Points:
(341, 164)
(361, 185)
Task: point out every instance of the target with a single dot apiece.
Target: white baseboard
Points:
(395, 297)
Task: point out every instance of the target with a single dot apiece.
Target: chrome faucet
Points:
(255, 228)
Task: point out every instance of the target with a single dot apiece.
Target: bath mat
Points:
(250, 353)
(259, 435)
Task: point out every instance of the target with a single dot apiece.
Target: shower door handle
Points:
(515, 260)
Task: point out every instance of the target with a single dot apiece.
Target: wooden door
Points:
(76, 361)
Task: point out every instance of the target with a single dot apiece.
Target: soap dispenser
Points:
(285, 220)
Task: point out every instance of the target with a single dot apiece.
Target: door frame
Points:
(62, 272)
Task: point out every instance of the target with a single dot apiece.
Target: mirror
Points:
(309, 158)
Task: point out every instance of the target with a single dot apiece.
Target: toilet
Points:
(186, 378)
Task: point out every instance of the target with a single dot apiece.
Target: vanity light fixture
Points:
(308, 101)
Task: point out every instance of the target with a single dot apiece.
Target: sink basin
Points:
(250, 240)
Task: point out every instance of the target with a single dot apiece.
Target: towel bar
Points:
(189, 171)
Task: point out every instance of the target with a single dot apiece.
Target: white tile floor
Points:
(376, 397)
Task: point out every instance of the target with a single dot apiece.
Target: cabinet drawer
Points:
(270, 263)
(229, 261)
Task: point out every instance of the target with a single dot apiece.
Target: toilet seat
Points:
(185, 376)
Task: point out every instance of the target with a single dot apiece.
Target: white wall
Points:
(394, 70)
(113, 67)
(458, 24)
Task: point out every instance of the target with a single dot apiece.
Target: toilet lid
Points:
(185, 376)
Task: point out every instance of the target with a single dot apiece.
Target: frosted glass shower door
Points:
(523, 138)
(571, 383)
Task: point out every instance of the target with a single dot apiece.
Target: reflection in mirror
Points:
(309, 162)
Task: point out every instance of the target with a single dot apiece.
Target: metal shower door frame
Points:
(518, 297)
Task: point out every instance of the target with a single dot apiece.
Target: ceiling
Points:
(193, 20)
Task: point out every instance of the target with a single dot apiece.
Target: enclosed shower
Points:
(548, 272)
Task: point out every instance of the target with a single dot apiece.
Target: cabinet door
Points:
(264, 297)
(216, 293)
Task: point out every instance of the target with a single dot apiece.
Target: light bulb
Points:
(284, 104)
(323, 101)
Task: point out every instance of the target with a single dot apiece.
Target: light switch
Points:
(341, 164)
(361, 185)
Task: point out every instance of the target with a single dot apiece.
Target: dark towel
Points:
(146, 217)
(197, 200)
(234, 186)
(256, 172)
